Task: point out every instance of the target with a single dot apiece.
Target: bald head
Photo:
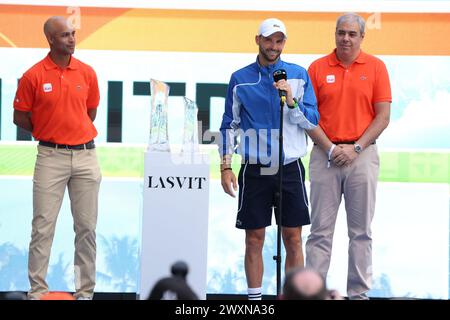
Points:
(304, 284)
(308, 281)
(60, 35)
(54, 24)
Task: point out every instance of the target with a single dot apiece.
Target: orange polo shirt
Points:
(58, 99)
(346, 96)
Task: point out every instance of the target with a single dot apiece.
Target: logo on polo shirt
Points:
(331, 78)
(78, 87)
(47, 87)
(363, 77)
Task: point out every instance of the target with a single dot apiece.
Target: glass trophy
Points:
(190, 133)
(159, 137)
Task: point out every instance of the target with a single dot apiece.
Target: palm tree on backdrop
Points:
(121, 258)
(13, 268)
(57, 275)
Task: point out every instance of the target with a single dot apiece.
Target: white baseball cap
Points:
(270, 26)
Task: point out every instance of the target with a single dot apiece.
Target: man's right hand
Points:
(229, 183)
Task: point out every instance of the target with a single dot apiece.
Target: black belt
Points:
(87, 145)
(345, 142)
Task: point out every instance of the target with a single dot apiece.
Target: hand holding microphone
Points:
(284, 90)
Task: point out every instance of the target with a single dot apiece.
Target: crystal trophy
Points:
(159, 137)
(190, 133)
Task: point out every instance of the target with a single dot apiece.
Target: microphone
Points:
(277, 76)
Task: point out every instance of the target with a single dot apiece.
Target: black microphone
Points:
(277, 76)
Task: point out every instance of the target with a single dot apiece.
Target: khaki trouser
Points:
(54, 170)
(357, 183)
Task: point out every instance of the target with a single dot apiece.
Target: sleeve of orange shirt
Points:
(94, 94)
(24, 99)
(382, 87)
(312, 76)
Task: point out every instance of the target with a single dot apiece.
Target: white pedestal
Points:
(175, 218)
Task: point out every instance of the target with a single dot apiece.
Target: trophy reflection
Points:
(159, 137)
(190, 133)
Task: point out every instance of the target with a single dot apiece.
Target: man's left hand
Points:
(346, 155)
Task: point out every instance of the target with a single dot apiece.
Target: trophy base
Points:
(160, 147)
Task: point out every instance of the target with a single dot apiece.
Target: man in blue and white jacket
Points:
(252, 116)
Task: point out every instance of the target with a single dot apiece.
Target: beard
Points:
(267, 56)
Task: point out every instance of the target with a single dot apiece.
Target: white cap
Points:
(270, 26)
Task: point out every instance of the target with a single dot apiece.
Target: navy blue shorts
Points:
(258, 197)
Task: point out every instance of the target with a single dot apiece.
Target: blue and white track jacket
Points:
(252, 114)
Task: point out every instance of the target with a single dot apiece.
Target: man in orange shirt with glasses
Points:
(57, 101)
(354, 99)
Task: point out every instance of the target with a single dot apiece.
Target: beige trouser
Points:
(54, 170)
(357, 183)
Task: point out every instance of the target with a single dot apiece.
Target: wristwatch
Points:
(358, 148)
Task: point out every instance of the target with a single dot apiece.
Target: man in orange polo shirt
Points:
(354, 99)
(56, 100)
